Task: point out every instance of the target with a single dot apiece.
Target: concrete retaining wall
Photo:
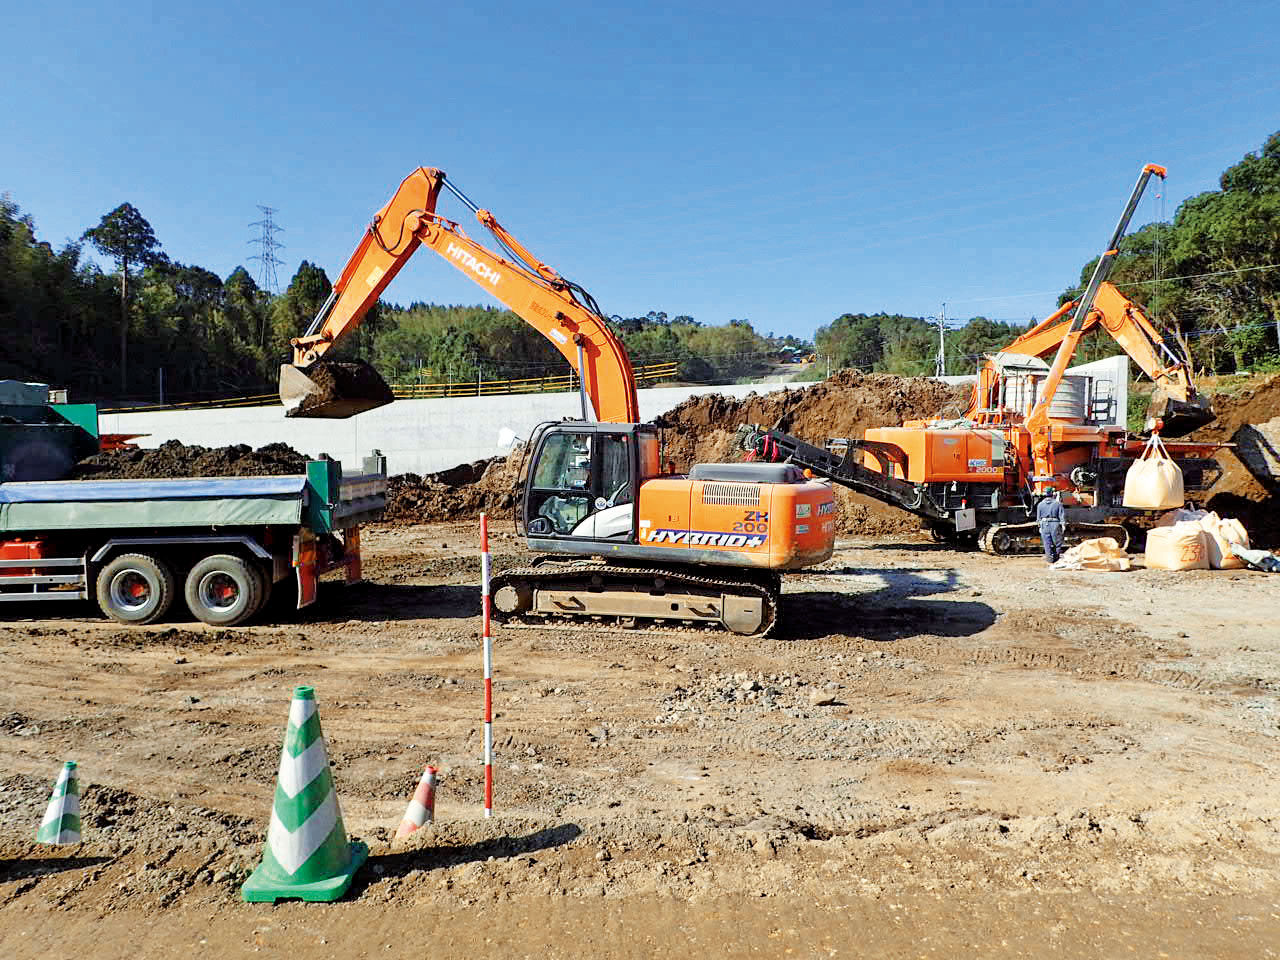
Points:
(417, 436)
(423, 436)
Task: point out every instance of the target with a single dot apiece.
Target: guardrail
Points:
(489, 388)
(650, 373)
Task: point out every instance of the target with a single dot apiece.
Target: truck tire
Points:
(135, 588)
(225, 590)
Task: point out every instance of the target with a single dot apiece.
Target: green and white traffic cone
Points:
(307, 856)
(61, 823)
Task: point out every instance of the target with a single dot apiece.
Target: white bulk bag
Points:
(1221, 535)
(1180, 547)
(1154, 482)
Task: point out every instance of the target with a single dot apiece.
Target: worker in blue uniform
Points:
(1052, 519)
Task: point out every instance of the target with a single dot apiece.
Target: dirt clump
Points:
(341, 388)
(459, 493)
(176, 459)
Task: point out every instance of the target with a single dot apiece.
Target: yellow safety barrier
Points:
(421, 391)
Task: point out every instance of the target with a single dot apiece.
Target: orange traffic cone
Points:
(422, 808)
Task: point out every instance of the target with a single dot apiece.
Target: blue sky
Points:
(783, 163)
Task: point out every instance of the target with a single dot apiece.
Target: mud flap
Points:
(351, 554)
(306, 567)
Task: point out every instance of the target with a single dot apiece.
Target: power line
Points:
(1199, 276)
(1135, 283)
(268, 245)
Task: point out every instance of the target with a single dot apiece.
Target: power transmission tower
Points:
(268, 245)
(940, 362)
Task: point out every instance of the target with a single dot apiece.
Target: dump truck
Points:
(224, 544)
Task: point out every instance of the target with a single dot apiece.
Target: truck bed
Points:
(203, 501)
(322, 499)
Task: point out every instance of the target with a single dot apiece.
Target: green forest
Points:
(1209, 277)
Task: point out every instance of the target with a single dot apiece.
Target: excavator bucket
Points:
(331, 390)
(1179, 417)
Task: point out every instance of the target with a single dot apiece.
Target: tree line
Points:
(1209, 278)
(116, 336)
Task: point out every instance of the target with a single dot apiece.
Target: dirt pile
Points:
(459, 493)
(176, 459)
(1238, 492)
(701, 429)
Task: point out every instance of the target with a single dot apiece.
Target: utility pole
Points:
(940, 363)
(268, 245)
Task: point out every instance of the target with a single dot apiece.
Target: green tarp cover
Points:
(133, 514)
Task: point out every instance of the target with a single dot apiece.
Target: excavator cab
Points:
(582, 480)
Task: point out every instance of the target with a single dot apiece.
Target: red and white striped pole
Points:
(488, 666)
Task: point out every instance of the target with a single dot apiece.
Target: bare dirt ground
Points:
(939, 754)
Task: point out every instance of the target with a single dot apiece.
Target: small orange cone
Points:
(422, 808)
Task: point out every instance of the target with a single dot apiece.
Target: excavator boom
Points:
(313, 387)
(1177, 405)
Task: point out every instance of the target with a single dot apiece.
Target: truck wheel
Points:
(224, 590)
(135, 588)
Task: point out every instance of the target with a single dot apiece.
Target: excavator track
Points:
(1008, 539)
(612, 597)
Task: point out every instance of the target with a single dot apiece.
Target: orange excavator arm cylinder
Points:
(385, 247)
(551, 309)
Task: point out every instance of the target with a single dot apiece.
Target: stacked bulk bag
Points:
(1154, 482)
(1182, 546)
(1220, 535)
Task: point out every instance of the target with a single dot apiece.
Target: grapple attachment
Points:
(331, 390)
(1179, 417)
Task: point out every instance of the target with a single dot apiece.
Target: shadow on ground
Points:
(26, 868)
(895, 611)
(391, 601)
(389, 865)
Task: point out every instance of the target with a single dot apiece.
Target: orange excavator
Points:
(622, 544)
(1030, 426)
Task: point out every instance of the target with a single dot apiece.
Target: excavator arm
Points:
(559, 309)
(1181, 410)
(1180, 407)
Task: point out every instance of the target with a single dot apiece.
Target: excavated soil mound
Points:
(1238, 492)
(176, 459)
(459, 493)
(701, 429)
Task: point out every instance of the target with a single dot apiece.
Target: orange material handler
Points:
(1029, 427)
(622, 543)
